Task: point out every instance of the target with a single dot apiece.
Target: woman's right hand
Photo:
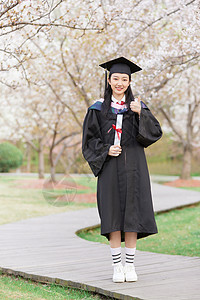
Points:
(115, 150)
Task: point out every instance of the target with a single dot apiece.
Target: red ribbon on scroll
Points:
(116, 129)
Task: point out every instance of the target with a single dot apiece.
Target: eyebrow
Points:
(122, 77)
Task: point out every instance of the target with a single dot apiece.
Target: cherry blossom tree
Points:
(181, 111)
(22, 20)
(60, 57)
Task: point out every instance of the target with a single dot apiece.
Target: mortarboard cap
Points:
(119, 65)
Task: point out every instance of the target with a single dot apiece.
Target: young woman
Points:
(115, 131)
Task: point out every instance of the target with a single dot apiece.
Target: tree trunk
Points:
(186, 167)
(52, 165)
(66, 167)
(41, 161)
(53, 174)
(28, 153)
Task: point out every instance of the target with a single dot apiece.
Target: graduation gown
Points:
(123, 186)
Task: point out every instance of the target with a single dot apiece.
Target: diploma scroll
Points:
(118, 126)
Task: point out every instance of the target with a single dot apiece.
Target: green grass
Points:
(12, 287)
(197, 189)
(179, 233)
(20, 203)
(89, 182)
(164, 168)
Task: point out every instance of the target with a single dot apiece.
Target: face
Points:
(119, 83)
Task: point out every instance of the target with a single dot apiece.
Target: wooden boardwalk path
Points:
(47, 249)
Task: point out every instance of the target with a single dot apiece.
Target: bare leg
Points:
(115, 239)
(130, 239)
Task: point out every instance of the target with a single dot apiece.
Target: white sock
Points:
(130, 254)
(116, 255)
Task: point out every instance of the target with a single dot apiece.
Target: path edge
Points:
(67, 283)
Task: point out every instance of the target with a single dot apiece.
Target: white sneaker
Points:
(130, 274)
(118, 274)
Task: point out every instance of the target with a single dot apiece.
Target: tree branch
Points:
(65, 137)
(81, 90)
(68, 106)
(166, 115)
(51, 24)
(9, 8)
(151, 24)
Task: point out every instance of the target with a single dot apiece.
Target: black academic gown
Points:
(123, 187)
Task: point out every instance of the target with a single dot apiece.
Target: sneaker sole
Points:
(118, 281)
(129, 280)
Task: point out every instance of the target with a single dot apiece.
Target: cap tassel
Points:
(106, 81)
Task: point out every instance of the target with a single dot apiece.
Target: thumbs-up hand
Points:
(137, 99)
(135, 106)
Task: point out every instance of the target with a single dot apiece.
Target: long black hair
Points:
(108, 94)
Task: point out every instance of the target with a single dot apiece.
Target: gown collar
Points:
(116, 107)
(120, 102)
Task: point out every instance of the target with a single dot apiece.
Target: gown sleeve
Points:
(94, 150)
(149, 128)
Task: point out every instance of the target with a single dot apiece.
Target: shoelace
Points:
(130, 267)
(118, 268)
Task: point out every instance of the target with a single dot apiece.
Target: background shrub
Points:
(10, 157)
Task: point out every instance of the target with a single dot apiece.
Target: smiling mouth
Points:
(119, 89)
